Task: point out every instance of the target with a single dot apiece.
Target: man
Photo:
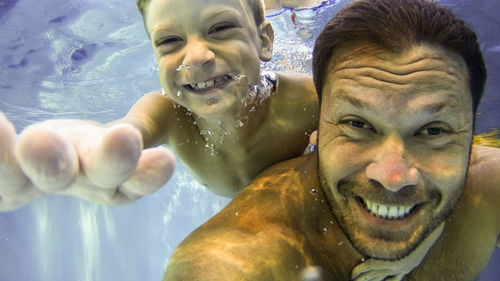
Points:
(217, 112)
(399, 83)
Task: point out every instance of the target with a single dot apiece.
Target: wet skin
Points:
(207, 117)
(395, 130)
(395, 137)
(214, 39)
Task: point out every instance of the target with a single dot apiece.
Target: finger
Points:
(112, 159)
(155, 168)
(367, 266)
(365, 276)
(47, 158)
(378, 275)
(397, 277)
(27, 195)
(12, 179)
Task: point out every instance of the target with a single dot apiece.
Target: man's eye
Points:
(433, 131)
(358, 124)
(221, 27)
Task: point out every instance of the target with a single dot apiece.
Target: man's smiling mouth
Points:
(388, 212)
(217, 82)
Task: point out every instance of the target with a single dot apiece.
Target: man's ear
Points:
(266, 34)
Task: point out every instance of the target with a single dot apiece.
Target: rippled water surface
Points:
(92, 59)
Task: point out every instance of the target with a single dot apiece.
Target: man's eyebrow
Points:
(435, 107)
(356, 102)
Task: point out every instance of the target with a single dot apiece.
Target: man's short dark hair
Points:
(399, 25)
(257, 7)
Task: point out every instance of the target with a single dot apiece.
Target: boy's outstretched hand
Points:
(101, 164)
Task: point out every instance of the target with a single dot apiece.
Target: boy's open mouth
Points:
(217, 82)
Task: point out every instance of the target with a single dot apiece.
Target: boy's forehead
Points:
(201, 4)
(158, 10)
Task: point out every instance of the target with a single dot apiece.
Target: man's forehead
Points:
(417, 70)
(418, 58)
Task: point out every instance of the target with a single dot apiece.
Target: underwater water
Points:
(92, 59)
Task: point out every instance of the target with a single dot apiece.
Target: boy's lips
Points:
(207, 85)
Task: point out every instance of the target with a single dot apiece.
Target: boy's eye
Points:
(221, 27)
(168, 40)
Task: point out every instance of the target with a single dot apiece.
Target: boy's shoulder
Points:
(296, 100)
(484, 171)
(295, 86)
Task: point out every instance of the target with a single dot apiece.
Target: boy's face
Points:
(394, 145)
(201, 46)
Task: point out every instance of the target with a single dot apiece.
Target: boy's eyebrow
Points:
(161, 27)
(166, 25)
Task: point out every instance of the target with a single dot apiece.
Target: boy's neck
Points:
(241, 126)
(234, 128)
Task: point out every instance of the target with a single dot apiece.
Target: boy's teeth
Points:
(387, 212)
(203, 85)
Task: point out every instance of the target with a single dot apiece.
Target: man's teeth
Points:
(387, 212)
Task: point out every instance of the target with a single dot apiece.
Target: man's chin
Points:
(386, 251)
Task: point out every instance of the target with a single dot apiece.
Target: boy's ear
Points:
(266, 34)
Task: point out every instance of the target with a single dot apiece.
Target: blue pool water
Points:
(92, 59)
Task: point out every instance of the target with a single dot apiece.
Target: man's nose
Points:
(198, 54)
(391, 166)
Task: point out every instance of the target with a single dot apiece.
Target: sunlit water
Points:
(92, 59)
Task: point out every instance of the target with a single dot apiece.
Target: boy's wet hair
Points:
(257, 7)
(397, 26)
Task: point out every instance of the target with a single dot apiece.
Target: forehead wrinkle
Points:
(435, 78)
(420, 104)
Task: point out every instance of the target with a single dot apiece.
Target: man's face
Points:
(394, 144)
(201, 46)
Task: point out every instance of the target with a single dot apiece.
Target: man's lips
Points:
(387, 211)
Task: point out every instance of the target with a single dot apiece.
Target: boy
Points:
(224, 118)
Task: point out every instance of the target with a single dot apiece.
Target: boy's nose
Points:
(198, 54)
(391, 168)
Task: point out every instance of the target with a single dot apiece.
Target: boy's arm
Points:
(152, 116)
(105, 164)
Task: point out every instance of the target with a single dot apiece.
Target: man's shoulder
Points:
(259, 225)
